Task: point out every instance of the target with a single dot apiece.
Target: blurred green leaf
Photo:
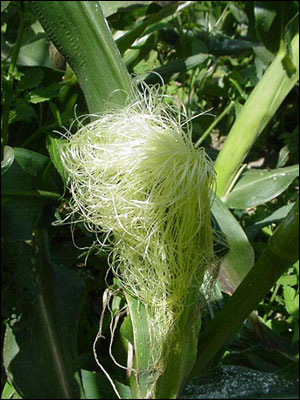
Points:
(35, 54)
(240, 258)
(96, 386)
(126, 18)
(276, 217)
(221, 45)
(8, 391)
(288, 280)
(235, 382)
(126, 329)
(283, 156)
(21, 111)
(271, 19)
(292, 28)
(39, 95)
(110, 7)
(171, 70)
(291, 301)
(4, 5)
(8, 159)
(31, 78)
(125, 41)
(141, 51)
(28, 187)
(34, 51)
(259, 186)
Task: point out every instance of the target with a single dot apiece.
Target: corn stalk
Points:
(79, 31)
(281, 252)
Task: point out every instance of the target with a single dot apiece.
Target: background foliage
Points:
(211, 55)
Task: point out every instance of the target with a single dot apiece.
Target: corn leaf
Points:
(291, 301)
(134, 56)
(96, 386)
(276, 217)
(8, 391)
(125, 41)
(259, 186)
(40, 345)
(259, 108)
(172, 70)
(111, 7)
(8, 159)
(28, 188)
(54, 147)
(237, 382)
(240, 258)
(271, 19)
(4, 5)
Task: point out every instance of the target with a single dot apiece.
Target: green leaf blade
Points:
(232, 382)
(28, 188)
(240, 258)
(55, 147)
(41, 345)
(260, 186)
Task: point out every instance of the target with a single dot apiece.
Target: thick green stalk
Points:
(281, 252)
(256, 113)
(79, 31)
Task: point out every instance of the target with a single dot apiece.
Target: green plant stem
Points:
(261, 105)
(281, 252)
(10, 82)
(79, 31)
(216, 121)
(274, 294)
